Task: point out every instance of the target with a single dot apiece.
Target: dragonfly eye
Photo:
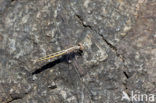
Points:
(81, 46)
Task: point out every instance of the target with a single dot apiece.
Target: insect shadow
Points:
(64, 58)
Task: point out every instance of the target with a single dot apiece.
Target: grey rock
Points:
(119, 50)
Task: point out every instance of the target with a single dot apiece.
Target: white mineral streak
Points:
(12, 46)
(86, 3)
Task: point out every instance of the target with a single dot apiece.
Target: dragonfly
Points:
(77, 68)
(60, 53)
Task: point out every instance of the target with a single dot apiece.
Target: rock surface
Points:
(119, 37)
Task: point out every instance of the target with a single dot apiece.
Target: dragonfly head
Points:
(81, 46)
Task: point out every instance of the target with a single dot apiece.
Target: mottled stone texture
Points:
(119, 37)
